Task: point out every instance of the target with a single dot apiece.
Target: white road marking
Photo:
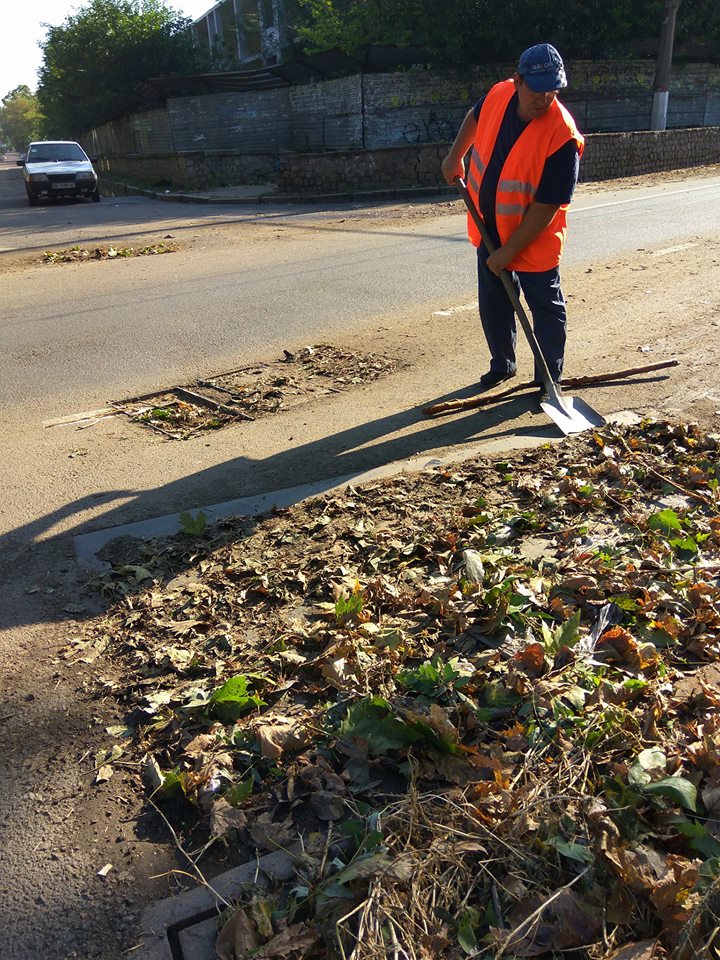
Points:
(650, 196)
(464, 308)
(680, 246)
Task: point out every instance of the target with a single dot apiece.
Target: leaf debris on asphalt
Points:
(78, 254)
(256, 391)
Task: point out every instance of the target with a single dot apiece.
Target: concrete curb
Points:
(270, 197)
(88, 545)
(185, 927)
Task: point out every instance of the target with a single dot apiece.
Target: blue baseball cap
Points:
(542, 69)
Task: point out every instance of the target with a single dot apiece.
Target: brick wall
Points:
(607, 155)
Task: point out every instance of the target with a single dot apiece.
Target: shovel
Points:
(569, 413)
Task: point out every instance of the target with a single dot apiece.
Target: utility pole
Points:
(661, 90)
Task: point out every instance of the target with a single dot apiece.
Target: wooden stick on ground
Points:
(484, 399)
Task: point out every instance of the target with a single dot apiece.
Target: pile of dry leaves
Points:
(496, 684)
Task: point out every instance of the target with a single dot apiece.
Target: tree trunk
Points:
(661, 89)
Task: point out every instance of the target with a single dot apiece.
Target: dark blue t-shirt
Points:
(559, 175)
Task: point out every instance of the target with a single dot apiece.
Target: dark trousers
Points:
(545, 299)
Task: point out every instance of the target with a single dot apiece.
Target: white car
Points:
(58, 168)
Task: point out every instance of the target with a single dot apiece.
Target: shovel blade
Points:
(572, 415)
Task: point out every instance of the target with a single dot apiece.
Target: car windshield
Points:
(48, 152)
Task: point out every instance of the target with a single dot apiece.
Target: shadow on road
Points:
(347, 453)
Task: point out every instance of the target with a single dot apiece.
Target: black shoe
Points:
(492, 378)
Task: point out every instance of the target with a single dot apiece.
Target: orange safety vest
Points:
(520, 175)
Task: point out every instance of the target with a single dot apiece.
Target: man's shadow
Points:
(347, 453)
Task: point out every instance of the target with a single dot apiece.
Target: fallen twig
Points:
(196, 870)
(485, 399)
(536, 914)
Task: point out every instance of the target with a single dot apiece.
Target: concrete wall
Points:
(216, 139)
(143, 133)
(255, 122)
(328, 116)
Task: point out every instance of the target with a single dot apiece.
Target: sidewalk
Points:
(268, 193)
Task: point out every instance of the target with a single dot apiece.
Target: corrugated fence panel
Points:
(152, 132)
(417, 107)
(392, 110)
(712, 110)
(256, 122)
(684, 111)
(327, 116)
(610, 116)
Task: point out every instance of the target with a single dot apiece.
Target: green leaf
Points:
(686, 547)
(573, 851)
(569, 633)
(349, 608)
(665, 521)
(466, 931)
(173, 783)
(371, 719)
(566, 635)
(708, 874)
(698, 837)
(434, 676)
(232, 699)
(239, 792)
(677, 789)
(193, 526)
(625, 602)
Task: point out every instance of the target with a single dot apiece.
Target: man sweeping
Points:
(522, 173)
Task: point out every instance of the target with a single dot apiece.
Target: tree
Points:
(462, 32)
(661, 90)
(94, 62)
(20, 118)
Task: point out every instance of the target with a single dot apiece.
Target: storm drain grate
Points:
(256, 391)
(194, 938)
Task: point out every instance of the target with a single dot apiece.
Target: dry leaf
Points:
(237, 938)
(293, 942)
(224, 818)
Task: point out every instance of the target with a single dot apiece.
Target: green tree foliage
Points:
(20, 118)
(460, 32)
(698, 22)
(94, 62)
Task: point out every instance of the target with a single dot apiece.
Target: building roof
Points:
(301, 69)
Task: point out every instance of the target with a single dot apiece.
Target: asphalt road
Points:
(77, 334)
(245, 283)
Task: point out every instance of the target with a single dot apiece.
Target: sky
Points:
(20, 55)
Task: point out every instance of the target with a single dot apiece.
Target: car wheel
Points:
(96, 195)
(32, 199)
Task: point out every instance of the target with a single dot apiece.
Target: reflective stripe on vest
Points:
(521, 174)
(476, 169)
(517, 186)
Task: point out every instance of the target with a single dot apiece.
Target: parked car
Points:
(58, 168)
